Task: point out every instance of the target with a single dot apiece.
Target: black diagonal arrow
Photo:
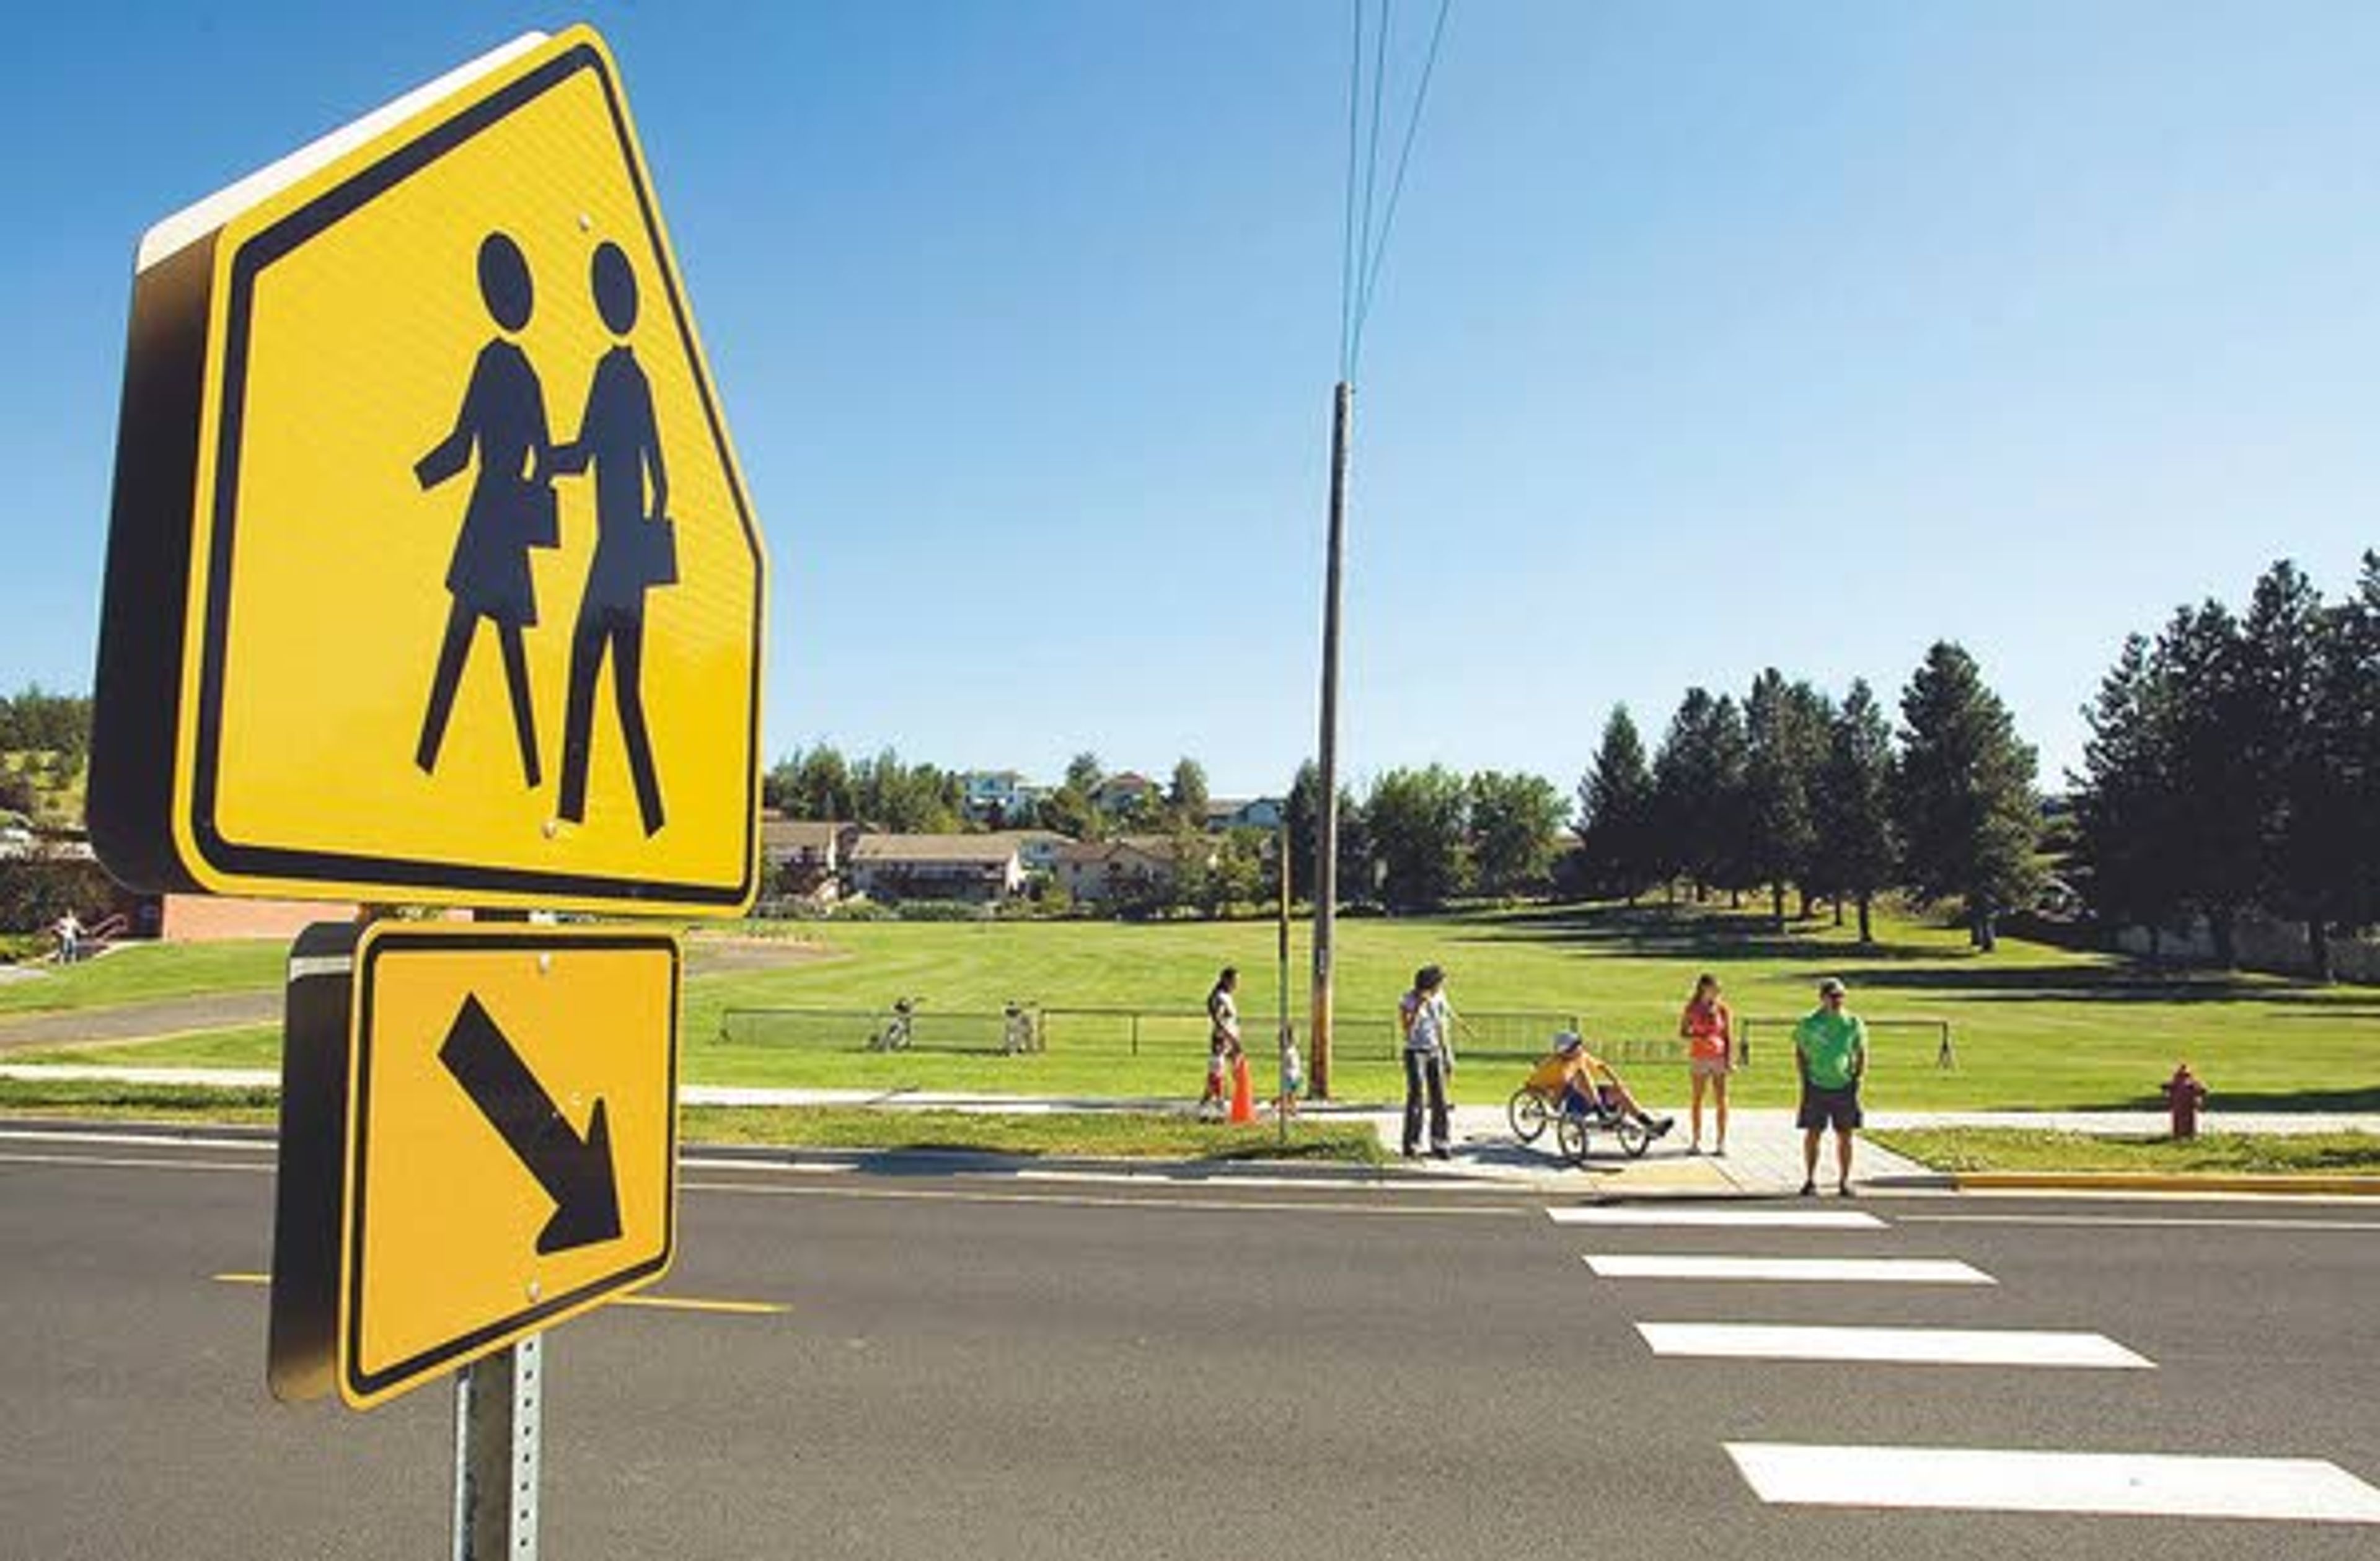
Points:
(575, 1172)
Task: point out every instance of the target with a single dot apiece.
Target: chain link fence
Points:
(916, 1028)
(1517, 1036)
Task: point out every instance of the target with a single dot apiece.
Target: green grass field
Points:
(2214, 1153)
(143, 972)
(2033, 1025)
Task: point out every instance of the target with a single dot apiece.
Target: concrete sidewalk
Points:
(1763, 1151)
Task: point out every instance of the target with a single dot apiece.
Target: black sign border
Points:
(361, 1384)
(241, 859)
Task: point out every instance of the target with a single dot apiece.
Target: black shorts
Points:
(1835, 1108)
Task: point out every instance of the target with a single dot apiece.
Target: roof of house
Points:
(799, 834)
(990, 851)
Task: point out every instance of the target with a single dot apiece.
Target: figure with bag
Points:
(511, 508)
(635, 548)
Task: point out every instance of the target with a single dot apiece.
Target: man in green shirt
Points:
(1830, 1049)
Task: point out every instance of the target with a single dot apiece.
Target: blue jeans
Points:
(1424, 1075)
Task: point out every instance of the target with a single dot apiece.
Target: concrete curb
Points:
(2164, 1181)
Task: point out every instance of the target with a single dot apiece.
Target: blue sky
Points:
(1712, 338)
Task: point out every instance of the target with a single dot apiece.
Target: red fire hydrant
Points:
(2183, 1096)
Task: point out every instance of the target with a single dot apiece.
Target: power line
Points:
(1347, 222)
(1367, 248)
(1397, 185)
(1371, 178)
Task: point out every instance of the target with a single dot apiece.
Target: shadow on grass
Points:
(1684, 932)
(2222, 1102)
(2106, 982)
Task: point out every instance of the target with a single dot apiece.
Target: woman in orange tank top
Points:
(1709, 1032)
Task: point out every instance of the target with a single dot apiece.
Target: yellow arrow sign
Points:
(478, 1140)
(432, 575)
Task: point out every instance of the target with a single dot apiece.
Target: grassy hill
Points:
(2033, 1025)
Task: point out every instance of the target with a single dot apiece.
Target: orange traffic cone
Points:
(1243, 1091)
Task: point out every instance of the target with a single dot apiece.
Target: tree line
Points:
(1789, 790)
(819, 782)
(2234, 766)
(56, 724)
(1417, 839)
(46, 738)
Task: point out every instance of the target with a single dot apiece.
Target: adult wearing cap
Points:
(1830, 1050)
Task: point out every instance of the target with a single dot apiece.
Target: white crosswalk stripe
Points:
(1916, 1346)
(1705, 1217)
(1788, 1270)
(1987, 1479)
(2042, 1481)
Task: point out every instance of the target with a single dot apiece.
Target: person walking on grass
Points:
(1223, 1042)
(68, 929)
(1429, 1021)
(1830, 1051)
(1708, 1030)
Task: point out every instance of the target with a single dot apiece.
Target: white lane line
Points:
(1089, 1201)
(2147, 1222)
(1706, 1215)
(1984, 1480)
(129, 1162)
(1927, 1347)
(796, 1168)
(1791, 1270)
(148, 1139)
(1293, 1183)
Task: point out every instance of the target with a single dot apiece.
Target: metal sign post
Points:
(499, 1419)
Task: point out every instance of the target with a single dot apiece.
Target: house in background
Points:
(804, 856)
(1103, 872)
(1001, 798)
(1253, 812)
(978, 869)
(1039, 849)
(1121, 791)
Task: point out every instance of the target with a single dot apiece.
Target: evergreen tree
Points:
(1785, 733)
(1616, 808)
(1698, 785)
(1068, 809)
(1853, 809)
(2281, 649)
(1726, 833)
(1302, 810)
(2126, 799)
(1964, 801)
(2216, 831)
(1187, 797)
(2345, 803)
(1304, 813)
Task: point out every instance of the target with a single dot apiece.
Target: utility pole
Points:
(1326, 847)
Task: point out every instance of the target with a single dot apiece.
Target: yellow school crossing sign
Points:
(478, 1140)
(432, 575)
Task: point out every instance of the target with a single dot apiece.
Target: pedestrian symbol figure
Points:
(635, 547)
(511, 508)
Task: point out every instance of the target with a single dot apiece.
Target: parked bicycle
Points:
(1016, 1030)
(896, 1034)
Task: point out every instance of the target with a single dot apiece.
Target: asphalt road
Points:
(995, 1366)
